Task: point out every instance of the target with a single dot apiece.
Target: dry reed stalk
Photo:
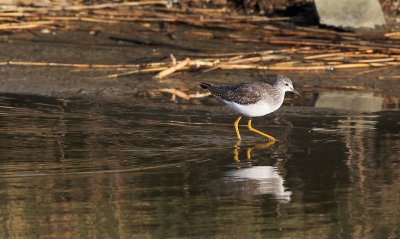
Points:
(175, 92)
(14, 8)
(317, 67)
(324, 55)
(202, 10)
(389, 77)
(181, 94)
(257, 59)
(82, 19)
(396, 63)
(200, 63)
(138, 13)
(199, 95)
(370, 55)
(297, 68)
(15, 14)
(139, 71)
(108, 5)
(392, 34)
(334, 33)
(353, 65)
(172, 69)
(318, 51)
(24, 25)
(173, 9)
(203, 34)
(337, 58)
(287, 63)
(256, 18)
(260, 53)
(333, 63)
(7, 19)
(242, 67)
(76, 65)
(377, 60)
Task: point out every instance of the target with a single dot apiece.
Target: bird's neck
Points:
(279, 95)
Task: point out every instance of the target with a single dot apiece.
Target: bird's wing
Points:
(244, 94)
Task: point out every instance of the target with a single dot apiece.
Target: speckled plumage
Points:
(255, 98)
(245, 93)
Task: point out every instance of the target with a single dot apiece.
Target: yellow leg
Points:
(259, 132)
(248, 153)
(236, 124)
(236, 152)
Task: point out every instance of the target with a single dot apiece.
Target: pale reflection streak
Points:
(256, 180)
(359, 136)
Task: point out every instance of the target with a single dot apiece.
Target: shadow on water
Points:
(156, 169)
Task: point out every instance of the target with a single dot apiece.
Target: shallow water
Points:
(72, 169)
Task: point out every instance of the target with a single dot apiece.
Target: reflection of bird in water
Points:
(253, 99)
(249, 149)
(257, 180)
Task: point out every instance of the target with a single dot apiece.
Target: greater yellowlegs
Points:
(253, 99)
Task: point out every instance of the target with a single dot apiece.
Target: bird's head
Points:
(285, 83)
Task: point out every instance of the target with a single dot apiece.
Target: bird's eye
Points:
(286, 84)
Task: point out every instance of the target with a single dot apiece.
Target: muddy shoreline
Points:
(89, 43)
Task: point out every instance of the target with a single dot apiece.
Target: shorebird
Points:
(253, 99)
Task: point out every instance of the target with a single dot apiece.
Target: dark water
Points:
(164, 170)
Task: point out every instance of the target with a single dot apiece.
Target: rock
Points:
(359, 15)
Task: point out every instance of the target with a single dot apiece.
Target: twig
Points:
(172, 69)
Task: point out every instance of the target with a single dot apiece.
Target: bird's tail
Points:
(205, 86)
(215, 90)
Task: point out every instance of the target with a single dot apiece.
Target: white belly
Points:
(253, 110)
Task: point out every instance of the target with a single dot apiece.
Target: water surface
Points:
(154, 169)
